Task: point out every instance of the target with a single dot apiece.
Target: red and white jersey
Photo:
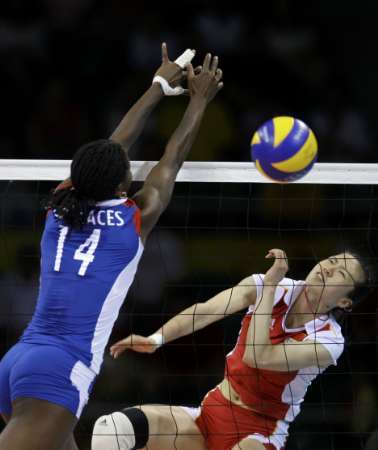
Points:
(272, 393)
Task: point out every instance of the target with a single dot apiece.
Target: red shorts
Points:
(224, 424)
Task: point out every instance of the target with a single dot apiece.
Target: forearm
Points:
(163, 175)
(258, 341)
(182, 139)
(202, 314)
(131, 126)
(187, 322)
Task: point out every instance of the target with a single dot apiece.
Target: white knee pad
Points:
(113, 432)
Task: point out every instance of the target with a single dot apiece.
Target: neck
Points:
(302, 311)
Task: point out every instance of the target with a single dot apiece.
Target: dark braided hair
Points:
(97, 169)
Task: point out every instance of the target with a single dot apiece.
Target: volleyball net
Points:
(221, 221)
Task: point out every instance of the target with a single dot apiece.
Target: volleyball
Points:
(284, 149)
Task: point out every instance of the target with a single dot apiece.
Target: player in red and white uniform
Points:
(288, 336)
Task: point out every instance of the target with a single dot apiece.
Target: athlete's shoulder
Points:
(323, 330)
(137, 218)
(52, 220)
(290, 289)
(130, 203)
(329, 334)
(333, 329)
(287, 289)
(286, 282)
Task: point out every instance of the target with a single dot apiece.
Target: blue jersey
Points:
(85, 276)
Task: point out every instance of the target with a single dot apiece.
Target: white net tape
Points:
(214, 172)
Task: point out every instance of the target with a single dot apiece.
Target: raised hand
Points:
(279, 268)
(207, 82)
(170, 71)
(133, 342)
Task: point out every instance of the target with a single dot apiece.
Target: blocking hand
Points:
(207, 82)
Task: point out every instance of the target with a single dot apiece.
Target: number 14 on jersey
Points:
(84, 253)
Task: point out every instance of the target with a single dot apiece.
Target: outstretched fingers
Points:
(218, 77)
(197, 70)
(214, 65)
(164, 53)
(190, 71)
(206, 63)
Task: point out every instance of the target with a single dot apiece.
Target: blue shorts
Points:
(47, 373)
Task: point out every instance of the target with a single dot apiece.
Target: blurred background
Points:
(71, 69)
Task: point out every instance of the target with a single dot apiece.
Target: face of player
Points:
(330, 282)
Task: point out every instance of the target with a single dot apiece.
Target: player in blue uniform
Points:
(91, 245)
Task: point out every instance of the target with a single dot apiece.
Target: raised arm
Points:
(194, 318)
(290, 355)
(131, 126)
(133, 123)
(156, 193)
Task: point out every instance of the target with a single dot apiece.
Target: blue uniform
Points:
(85, 276)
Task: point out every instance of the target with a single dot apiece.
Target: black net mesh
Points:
(212, 236)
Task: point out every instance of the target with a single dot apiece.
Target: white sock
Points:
(113, 432)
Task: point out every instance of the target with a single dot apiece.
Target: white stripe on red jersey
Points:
(272, 393)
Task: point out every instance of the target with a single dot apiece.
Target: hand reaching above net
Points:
(171, 74)
(206, 83)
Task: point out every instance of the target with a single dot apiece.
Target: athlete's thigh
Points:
(250, 444)
(70, 443)
(172, 428)
(51, 373)
(7, 363)
(37, 425)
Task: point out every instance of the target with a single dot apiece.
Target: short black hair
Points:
(97, 169)
(361, 289)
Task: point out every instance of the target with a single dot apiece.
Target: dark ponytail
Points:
(97, 170)
(67, 205)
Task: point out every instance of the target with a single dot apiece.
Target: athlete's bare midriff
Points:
(230, 394)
